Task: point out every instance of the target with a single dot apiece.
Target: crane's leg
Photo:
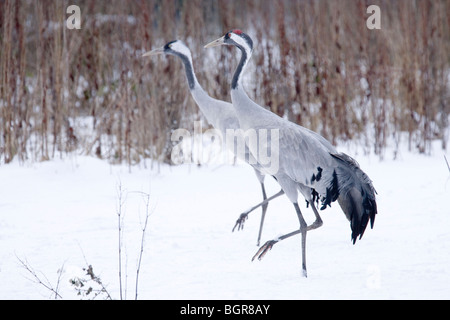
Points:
(303, 230)
(318, 223)
(269, 244)
(263, 214)
(241, 220)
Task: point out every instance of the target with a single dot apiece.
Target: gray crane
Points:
(220, 114)
(308, 163)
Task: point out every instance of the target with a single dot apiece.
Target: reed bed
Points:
(315, 62)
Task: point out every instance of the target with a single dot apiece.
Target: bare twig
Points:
(84, 285)
(144, 228)
(90, 272)
(119, 224)
(43, 281)
(92, 285)
(448, 166)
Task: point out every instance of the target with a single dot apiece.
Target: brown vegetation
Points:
(314, 62)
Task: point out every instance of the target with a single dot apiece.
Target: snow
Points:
(61, 215)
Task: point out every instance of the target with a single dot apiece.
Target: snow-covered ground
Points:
(62, 215)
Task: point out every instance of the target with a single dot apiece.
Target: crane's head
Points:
(176, 47)
(236, 38)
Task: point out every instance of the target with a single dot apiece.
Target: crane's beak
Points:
(154, 52)
(215, 43)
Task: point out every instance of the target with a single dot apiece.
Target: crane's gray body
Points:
(307, 162)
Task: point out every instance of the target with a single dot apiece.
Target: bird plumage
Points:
(309, 159)
(307, 162)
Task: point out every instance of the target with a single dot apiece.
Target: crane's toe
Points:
(240, 221)
(264, 249)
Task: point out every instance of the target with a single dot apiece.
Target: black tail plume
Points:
(356, 195)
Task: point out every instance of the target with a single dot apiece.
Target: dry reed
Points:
(315, 62)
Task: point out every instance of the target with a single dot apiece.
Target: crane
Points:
(220, 114)
(308, 163)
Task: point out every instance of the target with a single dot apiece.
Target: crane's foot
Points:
(304, 273)
(264, 249)
(240, 221)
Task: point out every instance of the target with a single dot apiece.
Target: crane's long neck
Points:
(237, 77)
(207, 104)
(245, 108)
(190, 75)
(200, 95)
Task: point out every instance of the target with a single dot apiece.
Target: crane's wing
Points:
(301, 154)
(334, 176)
(310, 160)
(305, 157)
